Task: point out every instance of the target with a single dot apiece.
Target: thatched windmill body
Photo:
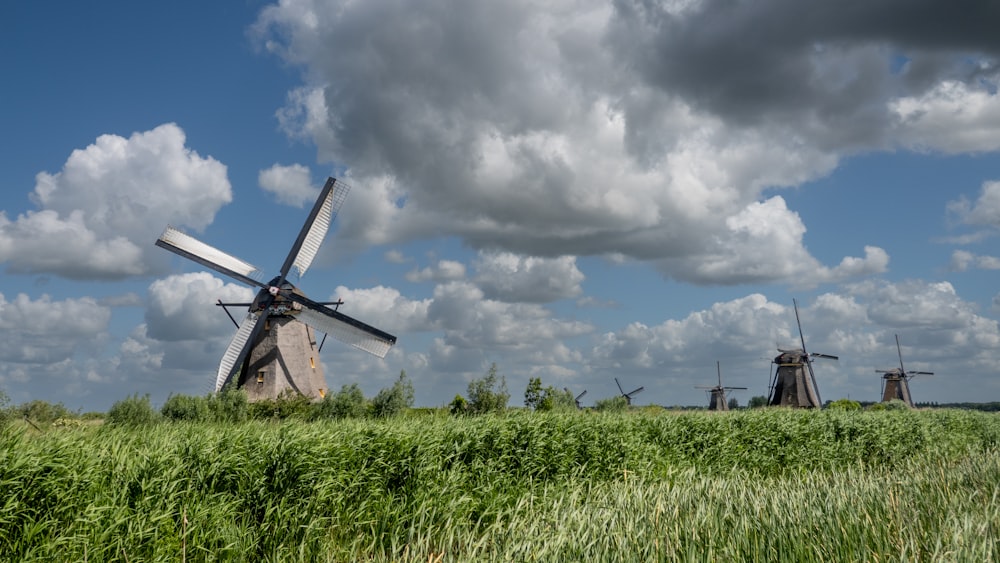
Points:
(896, 381)
(717, 395)
(794, 382)
(628, 396)
(274, 349)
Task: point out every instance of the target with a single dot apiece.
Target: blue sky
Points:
(576, 191)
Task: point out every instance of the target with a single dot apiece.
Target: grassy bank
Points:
(756, 485)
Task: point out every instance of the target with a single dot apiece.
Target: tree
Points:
(349, 402)
(547, 399)
(533, 393)
(733, 403)
(132, 411)
(187, 408)
(617, 403)
(757, 402)
(458, 405)
(489, 393)
(393, 400)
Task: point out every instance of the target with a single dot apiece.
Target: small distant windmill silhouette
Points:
(578, 397)
(717, 398)
(628, 396)
(896, 381)
(275, 344)
(790, 386)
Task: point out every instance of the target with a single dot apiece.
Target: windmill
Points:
(794, 382)
(274, 349)
(895, 381)
(717, 397)
(628, 396)
(578, 397)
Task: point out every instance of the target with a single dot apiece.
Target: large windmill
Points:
(628, 396)
(274, 349)
(794, 382)
(717, 397)
(896, 381)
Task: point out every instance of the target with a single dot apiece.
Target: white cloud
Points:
(97, 217)
(962, 260)
(512, 278)
(444, 270)
(183, 307)
(291, 185)
(953, 117)
(47, 331)
(985, 211)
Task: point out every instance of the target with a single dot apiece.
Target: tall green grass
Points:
(759, 485)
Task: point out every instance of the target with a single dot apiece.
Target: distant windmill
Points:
(895, 381)
(794, 382)
(274, 349)
(717, 397)
(578, 397)
(628, 396)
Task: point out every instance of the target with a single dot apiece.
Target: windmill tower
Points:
(794, 382)
(274, 349)
(628, 396)
(895, 381)
(577, 398)
(717, 395)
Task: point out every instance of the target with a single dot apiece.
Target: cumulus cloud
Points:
(985, 211)
(291, 185)
(444, 270)
(512, 278)
(97, 217)
(183, 307)
(651, 132)
(47, 331)
(962, 260)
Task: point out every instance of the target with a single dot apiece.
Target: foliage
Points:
(844, 405)
(5, 414)
(896, 405)
(349, 402)
(876, 407)
(42, 411)
(757, 402)
(611, 404)
(131, 411)
(548, 398)
(458, 406)
(733, 403)
(393, 400)
(187, 408)
(230, 404)
(760, 485)
(287, 405)
(488, 393)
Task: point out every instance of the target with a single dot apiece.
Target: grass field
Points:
(772, 485)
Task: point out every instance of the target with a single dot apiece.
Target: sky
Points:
(574, 190)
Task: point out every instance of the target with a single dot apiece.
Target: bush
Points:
(349, 402)
(186, 408)
(229, 405)
(288, 405)
(133, 411)
(488, 394)
(613, 404)
(896, 405)
(43, 411)
(458, 406)
(844, 405)
(395, 399)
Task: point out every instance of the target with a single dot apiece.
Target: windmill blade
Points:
(738, 388)
(348, 330)
(620, 390)
(580, 396)
(307, 244)
(826, 356)
(718, 370)
(238, 348)
(634, 391)
(193, 249)
(899, 350)
(812, 375)
(920, 373)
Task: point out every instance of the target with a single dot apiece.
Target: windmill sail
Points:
(209, 256)
(236, 351)
(275, 341)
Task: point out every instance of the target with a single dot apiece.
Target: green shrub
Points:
(230, 405)
(186, 408)
(458, 406)
(42, 411)
(488, 394)
(132, 411)
(349, 402)
(896, 405)
(612, 404)
(844, 405)
(393, 400)
(288, 405)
